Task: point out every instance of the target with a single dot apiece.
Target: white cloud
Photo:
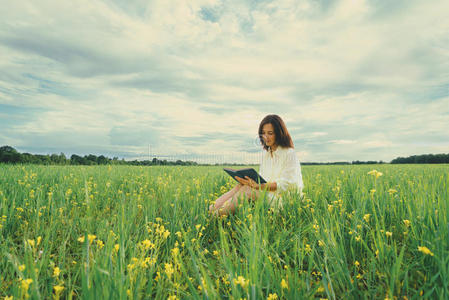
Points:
(378, 144)
(344, 142)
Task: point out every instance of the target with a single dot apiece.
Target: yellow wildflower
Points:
(56, 272)
(149, 261)
(375, 173)
(21, 268)
(91, 238)
(25, 284)
(308, 249)
(366, 217)
(175, 251)
(147, 244)
(407, 223)
(58, 290)
(242, 281)
(169, 270)
(284, 284)
(392, 191)
(425, 250)
(158, 276)
(388, 233)
(272, 296)
(100, 244)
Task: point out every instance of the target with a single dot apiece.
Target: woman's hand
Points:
(248, 181)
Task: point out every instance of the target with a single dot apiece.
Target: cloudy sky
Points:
(365, 80)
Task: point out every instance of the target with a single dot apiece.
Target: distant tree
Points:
(43, 159)
(27, 158)
(77, 160)
(102, 160)
(62, 158)
(91, 159)
(9, 155)
(54, 158)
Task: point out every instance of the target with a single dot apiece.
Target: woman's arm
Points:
(269, 186)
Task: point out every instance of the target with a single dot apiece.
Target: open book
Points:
(250, 172)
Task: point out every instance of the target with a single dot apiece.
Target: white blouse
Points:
(283, 168)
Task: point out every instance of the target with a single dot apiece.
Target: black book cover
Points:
(250, 172)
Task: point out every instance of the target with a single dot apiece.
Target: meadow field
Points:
(124, 232)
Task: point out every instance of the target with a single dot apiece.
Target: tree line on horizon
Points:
(11, 156)
(423, 159)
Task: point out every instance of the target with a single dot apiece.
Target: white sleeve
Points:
(291, 173)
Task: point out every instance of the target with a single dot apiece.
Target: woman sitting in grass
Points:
(279, 166)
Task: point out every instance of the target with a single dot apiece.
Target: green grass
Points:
(124, 232)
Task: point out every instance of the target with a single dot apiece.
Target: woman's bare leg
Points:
(223, 198)
(230, 205)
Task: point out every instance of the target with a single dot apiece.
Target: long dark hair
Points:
(280, 130)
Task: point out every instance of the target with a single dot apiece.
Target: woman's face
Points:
(268, 135)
